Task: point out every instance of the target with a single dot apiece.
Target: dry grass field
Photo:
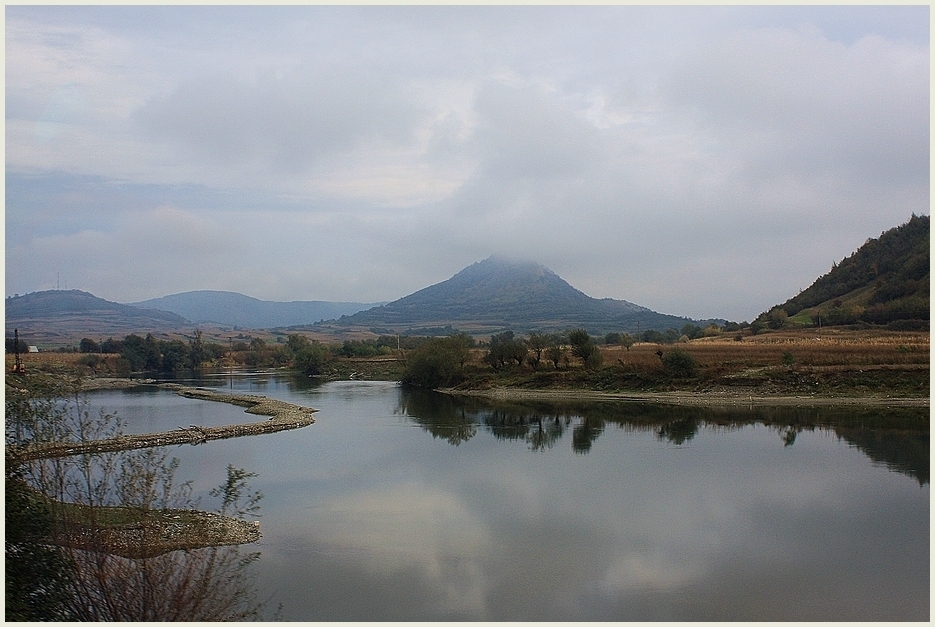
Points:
(803, 348)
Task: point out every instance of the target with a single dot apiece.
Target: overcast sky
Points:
(700, 161)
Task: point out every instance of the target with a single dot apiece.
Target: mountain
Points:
(886, 281)
(55, 316)
(233, 309)
(498, 293)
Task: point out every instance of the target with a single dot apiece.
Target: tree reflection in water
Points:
(896, 437)
(112, 516)
(210, 584)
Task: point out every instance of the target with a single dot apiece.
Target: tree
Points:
(555, 352)
(692, 331)
(679, 363)
(94, 498)
(312, 358)
(436, 363)
(37, 574)
(461, 345)
(584, 348)
(504, 347)
(537, 343)
(87, 345)
(197, 352)
(296, 342)
(776, 318)
(626, 340)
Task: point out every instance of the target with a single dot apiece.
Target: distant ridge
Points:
(499, 293)
(53, 316)
(237, 310)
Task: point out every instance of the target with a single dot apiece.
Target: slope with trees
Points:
(886, 281)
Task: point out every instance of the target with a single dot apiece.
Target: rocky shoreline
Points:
(164, 531)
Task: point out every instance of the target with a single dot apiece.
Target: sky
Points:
(701, 161)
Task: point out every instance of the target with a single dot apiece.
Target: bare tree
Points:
(111, 515)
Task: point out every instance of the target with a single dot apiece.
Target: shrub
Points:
(312, 358)
(436, 363)
(584, 348)
(679, 363)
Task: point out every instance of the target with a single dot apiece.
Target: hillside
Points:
(499, 294)
(54, 316)
(886, 281)
(233, 309)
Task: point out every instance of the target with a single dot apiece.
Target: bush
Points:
(312, 358)
(436, 363)
(679, 363)
(91, 360)
(584, 348)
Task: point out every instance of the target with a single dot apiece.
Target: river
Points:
(399, 505)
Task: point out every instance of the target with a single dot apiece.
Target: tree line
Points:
(440, 362)
(150, 354)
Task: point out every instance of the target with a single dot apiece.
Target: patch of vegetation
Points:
(886, 280)
(73, 522)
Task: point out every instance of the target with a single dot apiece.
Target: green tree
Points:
(776, 318)
(435, 363)
(554, 353)
(312, 359)
(37, 574)
(87, 345)
(692, 331)
(626, 340)
(297, 342)
(679, 363)
(196, 350)
(504, 348)
(536, 343)
(584, 348)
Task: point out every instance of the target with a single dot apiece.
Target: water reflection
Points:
(577, 511)
(896, 438)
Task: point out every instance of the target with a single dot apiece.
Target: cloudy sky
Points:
(700, 161)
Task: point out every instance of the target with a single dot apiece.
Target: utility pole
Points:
(18, 366)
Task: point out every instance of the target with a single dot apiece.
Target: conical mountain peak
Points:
(501, 292)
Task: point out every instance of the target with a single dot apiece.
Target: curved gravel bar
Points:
(282, 416)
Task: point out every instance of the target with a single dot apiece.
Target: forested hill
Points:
(499, 294)
(886, 281)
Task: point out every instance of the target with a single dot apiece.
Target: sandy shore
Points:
(718, 397)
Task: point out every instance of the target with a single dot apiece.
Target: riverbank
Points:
(158, 532)
(723, 397)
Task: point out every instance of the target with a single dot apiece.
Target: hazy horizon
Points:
(701, 161)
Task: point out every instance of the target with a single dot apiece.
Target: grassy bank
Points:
(835, 363)
(839, 363)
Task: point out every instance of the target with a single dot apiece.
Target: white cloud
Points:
(625, 147)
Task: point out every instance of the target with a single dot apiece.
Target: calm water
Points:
(404, 506)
